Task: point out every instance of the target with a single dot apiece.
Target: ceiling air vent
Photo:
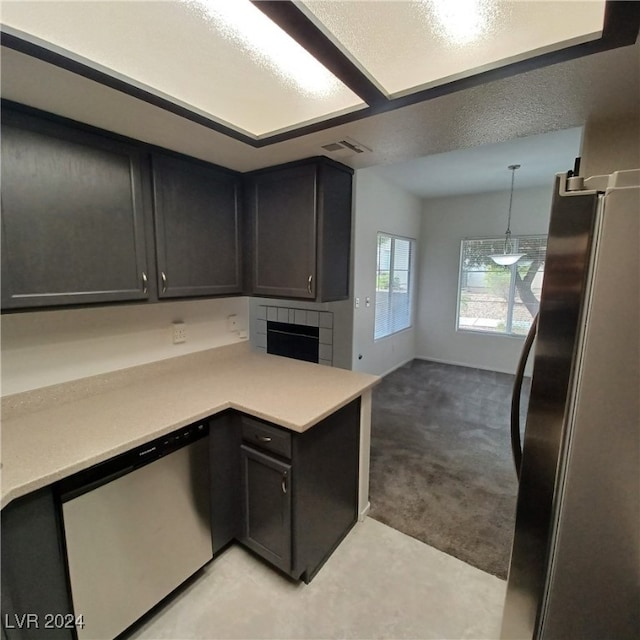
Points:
(332, 146)
(345, 147)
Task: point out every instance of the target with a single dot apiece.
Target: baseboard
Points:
(397, 366)
(463, 364)
(365, 512)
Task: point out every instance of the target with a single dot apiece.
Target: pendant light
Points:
(507, 257)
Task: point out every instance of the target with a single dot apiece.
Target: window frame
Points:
(410, 281)
(512, 285)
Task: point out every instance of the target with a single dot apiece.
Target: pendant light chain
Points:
(507, 240)
(507, 258)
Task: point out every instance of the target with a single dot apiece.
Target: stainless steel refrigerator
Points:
(575, 560)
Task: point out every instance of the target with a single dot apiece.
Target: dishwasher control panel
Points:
(172, 441)
(123, 463)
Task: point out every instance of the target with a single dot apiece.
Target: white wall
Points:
(47, 347)
(379, 206)
(611, 145)
(446, 221)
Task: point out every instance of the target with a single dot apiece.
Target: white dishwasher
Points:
(136, 527)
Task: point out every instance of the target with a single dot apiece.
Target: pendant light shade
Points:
(508, 257)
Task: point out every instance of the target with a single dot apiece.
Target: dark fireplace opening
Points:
(293, 341)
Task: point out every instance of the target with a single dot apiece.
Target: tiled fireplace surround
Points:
(305, 317)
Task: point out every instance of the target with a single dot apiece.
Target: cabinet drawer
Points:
(266, 436)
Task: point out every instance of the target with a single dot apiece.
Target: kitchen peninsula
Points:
(269, 409)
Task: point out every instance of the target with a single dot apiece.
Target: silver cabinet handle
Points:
(145, 283)
(309, 283)
(163, 275)
(264, 438)
(284, 482)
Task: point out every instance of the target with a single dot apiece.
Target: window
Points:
(500, 299)
(393, 285)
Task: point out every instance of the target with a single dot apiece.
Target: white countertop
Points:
(50, 433)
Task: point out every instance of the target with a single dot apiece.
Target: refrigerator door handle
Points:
(516, 445)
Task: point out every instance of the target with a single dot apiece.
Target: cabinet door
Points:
(224, 463)
(72, 219)
(34, 581)
(325, 499)
(334, 233)
(284, 207)
(197, 228)
(266, 492)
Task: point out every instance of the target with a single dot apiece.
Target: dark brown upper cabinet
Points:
(300, 230)
(197, 227)
(72, 216)
(84, 213)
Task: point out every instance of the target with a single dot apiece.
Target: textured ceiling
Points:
(603, 85)
(404, 46)
(484, 168)
(225, 60)
(228, 62)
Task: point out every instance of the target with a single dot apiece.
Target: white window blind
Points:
(393, 285)
(500, 299)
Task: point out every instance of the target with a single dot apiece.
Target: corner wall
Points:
(41, 348)
(380, 206)
(446, 222)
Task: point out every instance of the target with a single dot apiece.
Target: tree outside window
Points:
(500, 299)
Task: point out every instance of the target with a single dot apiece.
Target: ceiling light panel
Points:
(224, 59)
(405, 46)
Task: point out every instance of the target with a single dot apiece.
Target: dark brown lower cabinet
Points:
(35, 594)
(299, 490)
(224, 462)
(266, 500)
(289, 497)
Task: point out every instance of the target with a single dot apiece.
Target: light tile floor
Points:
(379, 583)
